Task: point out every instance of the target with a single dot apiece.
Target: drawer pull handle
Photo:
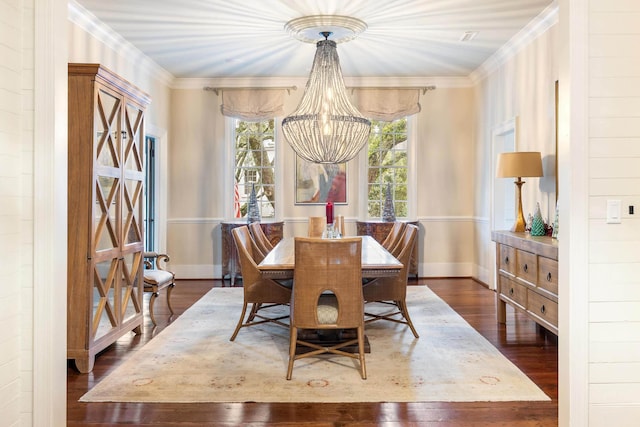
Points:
(548, 276)
(511, 291)
(525, 268)
(543, 309)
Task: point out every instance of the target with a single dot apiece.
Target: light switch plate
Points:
(614, 211)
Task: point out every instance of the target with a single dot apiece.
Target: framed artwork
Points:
(318, 183)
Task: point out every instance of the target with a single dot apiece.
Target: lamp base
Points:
(520, 224)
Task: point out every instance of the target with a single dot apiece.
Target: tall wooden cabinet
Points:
(105, 211)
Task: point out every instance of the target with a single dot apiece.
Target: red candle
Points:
(329, 213)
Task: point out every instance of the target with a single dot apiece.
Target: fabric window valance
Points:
(253, 104)
(386, 104)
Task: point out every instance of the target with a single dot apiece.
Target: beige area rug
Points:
(192, 360)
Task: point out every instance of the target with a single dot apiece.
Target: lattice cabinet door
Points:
(133, 210)
(106, 180)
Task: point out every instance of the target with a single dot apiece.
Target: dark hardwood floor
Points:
(532, 349)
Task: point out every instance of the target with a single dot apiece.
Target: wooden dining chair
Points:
(327, 294)
(394, 236)
(317, 225)
(393, 290)
(261, 239)
(260, 293)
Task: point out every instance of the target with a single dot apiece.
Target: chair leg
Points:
(169, 289)
(254, 310)
(402, 304)
(239, 325)
(293, 338)
(363, 369)
(152, 300)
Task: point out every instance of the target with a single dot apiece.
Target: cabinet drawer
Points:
(527, 266)
(543, 308)
(507, 261)
(513, 291)
(548, 274)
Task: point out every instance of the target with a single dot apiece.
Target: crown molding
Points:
(534, 29)
(84, 19)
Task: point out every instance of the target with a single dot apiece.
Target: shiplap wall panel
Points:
(615, 394)
(10, 237)
(625, 416)
(614, 5)
(614, 85)
(615, 147)
(614, 22)
(614, 107)
(614, 249)
(615, 331)
(613, 253)
(27, 100)
(618, 372)
(617, 127)
(615, 311)
(614, 67)
(629, 229)
(614, 352)
(614, 186)
(611, 45)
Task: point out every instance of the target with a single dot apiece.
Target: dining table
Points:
(376, 260)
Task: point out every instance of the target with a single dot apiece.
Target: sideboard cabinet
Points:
(105, 210)
(230, 261)
(379, 230)
(527, 269)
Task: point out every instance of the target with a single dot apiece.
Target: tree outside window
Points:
(387, 165)
(255, 151)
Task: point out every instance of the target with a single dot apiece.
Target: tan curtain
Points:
(253, 104)
(386, 104)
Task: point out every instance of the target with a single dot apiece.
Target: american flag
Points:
(236, 202)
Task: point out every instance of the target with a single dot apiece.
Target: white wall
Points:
(15, 230)
(613, 152)
(32, 218)
(522, 89)
(197, 168)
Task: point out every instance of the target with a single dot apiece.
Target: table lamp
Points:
(517, 165)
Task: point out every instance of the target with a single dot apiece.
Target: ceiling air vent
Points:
(467, 36)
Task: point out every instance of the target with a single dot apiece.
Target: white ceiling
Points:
(246, 38)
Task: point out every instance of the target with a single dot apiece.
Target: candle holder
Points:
(331, 232)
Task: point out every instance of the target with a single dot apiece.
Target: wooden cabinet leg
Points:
(85, 365)
(501, 312)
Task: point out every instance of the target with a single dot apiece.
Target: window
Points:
(255, 151)
(387, 167)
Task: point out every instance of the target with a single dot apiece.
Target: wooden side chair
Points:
(260, 293)
(393, 290)
(327, 294)
(394, 236)
(261, 239)
(156, 278)
(317, 225)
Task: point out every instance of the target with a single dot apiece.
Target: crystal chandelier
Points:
(326, 127)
